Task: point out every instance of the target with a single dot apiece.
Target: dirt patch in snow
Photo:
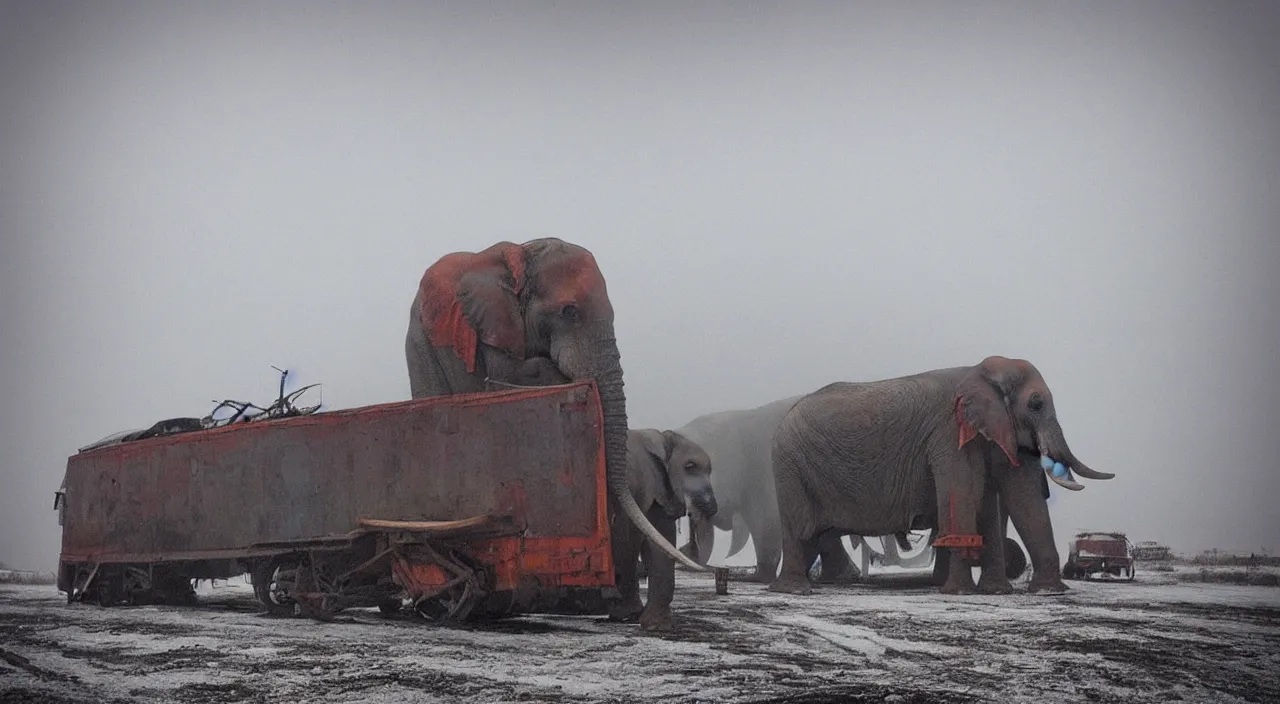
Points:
(1146, 641)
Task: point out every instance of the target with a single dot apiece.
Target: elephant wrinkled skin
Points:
(532, 314)
(952, 449)
(665, 472)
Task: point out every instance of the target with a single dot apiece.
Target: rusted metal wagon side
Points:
(1091, 553)
(470, 505)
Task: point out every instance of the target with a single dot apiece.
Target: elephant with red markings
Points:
(954, 450)
(531, 314)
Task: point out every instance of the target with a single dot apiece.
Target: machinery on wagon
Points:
(458, 507)
(1105, 553)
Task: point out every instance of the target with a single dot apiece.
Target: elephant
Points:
(665, 472)
(943, 450)
(531, 314)
(739, 443)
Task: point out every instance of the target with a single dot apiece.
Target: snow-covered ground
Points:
(1153, 640)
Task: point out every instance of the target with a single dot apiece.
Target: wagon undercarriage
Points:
(426, 566)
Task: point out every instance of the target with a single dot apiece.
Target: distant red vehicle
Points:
(1093, 553)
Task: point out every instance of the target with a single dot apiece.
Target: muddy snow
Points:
(894, 640)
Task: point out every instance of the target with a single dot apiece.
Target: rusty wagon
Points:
(456, 507)
(1104, 553)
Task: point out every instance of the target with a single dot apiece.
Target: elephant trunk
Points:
(614, 405)
(1059, 462)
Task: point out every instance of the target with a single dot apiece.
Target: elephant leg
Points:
(941, 566)
(767, 537)
(797, 555)
(959, 575)
(626, 540)
(1015, 560)
(1022, 495)
(656, 615)
(837, 566)
(960, 480)
(990, 518)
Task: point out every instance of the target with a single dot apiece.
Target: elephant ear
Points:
(470, 298)
(659, 445)
(980, 409)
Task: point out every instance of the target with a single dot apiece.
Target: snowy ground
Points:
(1153, 640)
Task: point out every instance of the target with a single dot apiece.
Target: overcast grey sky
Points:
(779, 197)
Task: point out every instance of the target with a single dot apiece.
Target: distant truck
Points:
(1098, 553)
(1151, 551)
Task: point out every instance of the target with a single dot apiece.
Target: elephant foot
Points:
(1048, 587)
(763, 576)
(852, 577)
(959, 585)
(785, 585)
(625, 612)
(994, 586)
(656, 620)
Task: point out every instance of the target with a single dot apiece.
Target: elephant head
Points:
(1008, 402)
(536, 313)
(686, 473)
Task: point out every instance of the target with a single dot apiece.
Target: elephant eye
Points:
(569, 312)
(1035, 402)
(691, 465)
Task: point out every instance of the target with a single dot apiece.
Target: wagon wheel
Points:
(450, 605)
(274, 582)
(455, 601)
(311, 597)
(108, 590)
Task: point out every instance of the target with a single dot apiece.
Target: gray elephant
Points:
(951, 449)
(665, 472)
(532, 314)
(739, 443)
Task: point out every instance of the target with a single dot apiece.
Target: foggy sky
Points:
(779, 197)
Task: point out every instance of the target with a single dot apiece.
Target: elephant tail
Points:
(738, 538)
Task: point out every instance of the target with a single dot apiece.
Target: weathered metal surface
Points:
(1102, 548)
(1114, 546)
(532, 456)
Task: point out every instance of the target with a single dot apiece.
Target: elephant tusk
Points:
(1066, 483)
(1088, 473)
(636, 514)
